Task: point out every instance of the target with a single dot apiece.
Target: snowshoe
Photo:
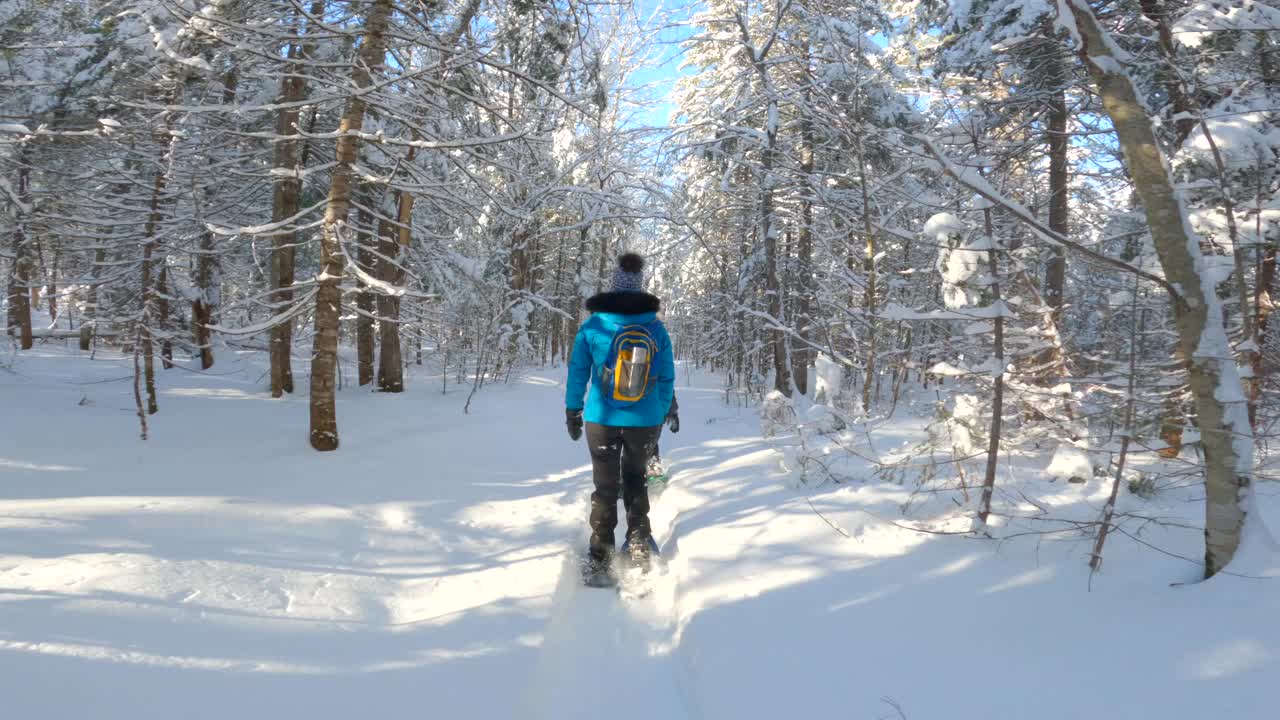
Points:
(635, 563)
(655, 477)
(639, 556)
(598, 572)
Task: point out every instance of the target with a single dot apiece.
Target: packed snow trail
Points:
(223, 569)
(604, 651)
(603, 654)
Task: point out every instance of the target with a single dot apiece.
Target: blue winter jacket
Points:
(610, 311)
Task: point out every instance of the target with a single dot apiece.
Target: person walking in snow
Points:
(623, 352)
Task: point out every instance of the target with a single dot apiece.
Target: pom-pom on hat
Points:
(629, 277)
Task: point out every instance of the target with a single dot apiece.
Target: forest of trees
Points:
(1061, 213)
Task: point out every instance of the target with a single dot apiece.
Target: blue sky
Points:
(662, 75)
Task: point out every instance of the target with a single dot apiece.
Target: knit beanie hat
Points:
(629, 276)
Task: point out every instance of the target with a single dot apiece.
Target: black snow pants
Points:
(618, 459)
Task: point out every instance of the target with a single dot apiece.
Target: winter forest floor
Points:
(222, 569)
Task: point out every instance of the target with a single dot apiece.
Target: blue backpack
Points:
(625, 375)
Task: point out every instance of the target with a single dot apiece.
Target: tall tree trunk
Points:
(162, 313)
(285, 203)
(148, 311)
(1265, 251)
(1215, 382)
(769, 231)
(871, 299)
(51, 286)
(366, 226)
(38, 269)
(390, 356)
(997, 395)
(89, 320)
(20, 269)
(324, 418)
(768, 225)
(394, 252)
(801, 355)
(148, 315)
(558, 300)
(781, 373)
(1055, 273)
(208, 292)
(1049, 368)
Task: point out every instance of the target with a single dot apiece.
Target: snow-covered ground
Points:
(223, 569)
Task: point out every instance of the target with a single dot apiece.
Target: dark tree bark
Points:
(1056, 270)
(390, 357)
(147, 314)
(366, 348)
(997, 396)
(801, 354)
(285, 204)
(871, 298)
(89, 321)
(163, 316)
(51, 286)
(393, 244)
(768, 221)
(203, 306)
(1265, 250)
(20, 269)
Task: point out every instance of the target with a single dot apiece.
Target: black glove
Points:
(573, 421)
(673, 421)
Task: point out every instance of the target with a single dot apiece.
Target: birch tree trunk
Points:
(324, 359)
(1214, 379)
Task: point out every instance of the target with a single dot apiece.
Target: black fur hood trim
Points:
(624, 303)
